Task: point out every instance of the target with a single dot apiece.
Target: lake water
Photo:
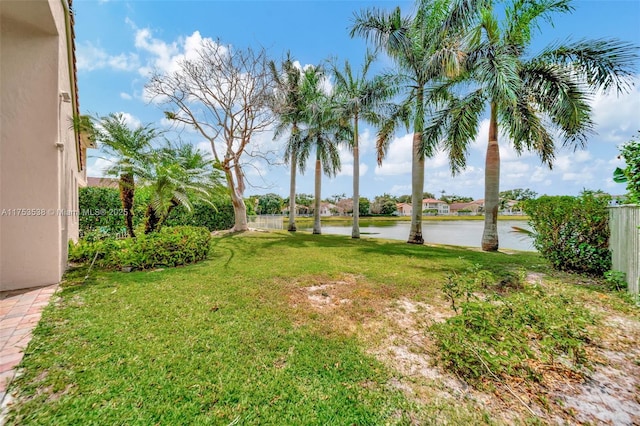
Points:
(455, 232)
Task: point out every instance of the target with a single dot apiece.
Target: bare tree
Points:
(225, 94)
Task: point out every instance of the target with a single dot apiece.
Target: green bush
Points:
(572, 232)
(171, 246)
(217, 217)
(630, 152)
(99, 210)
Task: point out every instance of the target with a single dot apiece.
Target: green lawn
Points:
(234, 340)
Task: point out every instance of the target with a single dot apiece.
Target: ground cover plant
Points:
(294, 328)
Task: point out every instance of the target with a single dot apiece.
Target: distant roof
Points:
(432, 200)
(102, 182)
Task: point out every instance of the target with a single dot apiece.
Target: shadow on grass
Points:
(443, 258)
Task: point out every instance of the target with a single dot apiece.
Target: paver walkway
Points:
(20, 312)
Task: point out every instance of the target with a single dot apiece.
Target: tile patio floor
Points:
(20, 311)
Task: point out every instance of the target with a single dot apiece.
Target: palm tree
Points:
(422, 53)
(175, 174)
(358, 98)
(323, 130)
(530, 97)
(126, 149)
(289, 110)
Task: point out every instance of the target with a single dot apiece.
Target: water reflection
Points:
(456, 232)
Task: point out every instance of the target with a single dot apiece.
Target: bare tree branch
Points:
(224, 94)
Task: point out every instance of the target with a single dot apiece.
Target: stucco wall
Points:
(38, 153)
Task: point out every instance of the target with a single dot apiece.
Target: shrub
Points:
(630, 152)
(171, 246)
(217, 217)
(98, 210)
(572, 232)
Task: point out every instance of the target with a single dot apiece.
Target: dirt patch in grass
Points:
(611, 393)
(395, 331)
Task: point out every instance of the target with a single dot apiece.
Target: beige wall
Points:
(38, 152)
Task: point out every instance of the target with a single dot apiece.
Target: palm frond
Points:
(555, 91)
(602, 63)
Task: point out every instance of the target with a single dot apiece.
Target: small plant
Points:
(616, 280)
(457, 286)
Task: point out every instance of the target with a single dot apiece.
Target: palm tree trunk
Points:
(151, 220)
(417, 190)
(355, 232)
(491, 185)
(164, 217)
(127, 189)
(292, 192)
(316, 212)
(417, 172)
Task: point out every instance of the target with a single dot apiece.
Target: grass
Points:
(233, 340)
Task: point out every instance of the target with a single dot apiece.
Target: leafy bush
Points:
(572, 232)
(630, 151)
(99, 208)
(213, 217)
(517, 334)
(96, 201)
(171, 246)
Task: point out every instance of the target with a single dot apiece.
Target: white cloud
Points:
(130, 120)
(366, 141)
(205, 147)
(617, 117)
(99, 167)
(90, 58)
(439, 160)
(400, 190)
(398, 158)
(166, 57)
(347, 169)
(126, 96)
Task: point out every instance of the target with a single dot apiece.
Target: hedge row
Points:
(171, 246)
(100, 209)
(572, 232)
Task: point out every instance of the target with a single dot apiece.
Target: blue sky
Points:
(118, 42)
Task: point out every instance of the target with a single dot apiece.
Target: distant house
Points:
(100, 182)
(512, 207)
(467, 209)
(404, 209)
(435, 206)
(345, 206)
(300, 209)
(328, 209)
(42, 155)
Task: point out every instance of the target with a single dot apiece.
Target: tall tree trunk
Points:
(355, 232)
(239, 208)
(417, 190)
(491, 185)
(292, 192)
(127, 189)
(417, 172)
(165, 216)
(151, 220)
(316, 212)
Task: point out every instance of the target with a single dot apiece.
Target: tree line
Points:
(453, 61)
